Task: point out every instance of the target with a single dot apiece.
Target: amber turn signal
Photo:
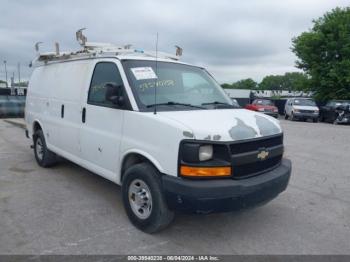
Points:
(190, 171)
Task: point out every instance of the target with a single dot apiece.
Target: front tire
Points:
(44, 157)
(292, 117)
(143, 198)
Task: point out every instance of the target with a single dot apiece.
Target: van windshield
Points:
(304, 102)
(178, 87)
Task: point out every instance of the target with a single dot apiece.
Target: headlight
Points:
(194, 153)
(296, 110)
(261, 109)
(275, 110)
(205, 152)
(205, 160)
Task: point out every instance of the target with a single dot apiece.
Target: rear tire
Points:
(44, 157)
(285, 116)
(143, 198)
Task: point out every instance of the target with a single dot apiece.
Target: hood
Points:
(224, 124)
(305, 107)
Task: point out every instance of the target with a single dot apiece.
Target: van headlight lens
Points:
(205, 152)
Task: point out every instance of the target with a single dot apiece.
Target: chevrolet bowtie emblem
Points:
(263, 154)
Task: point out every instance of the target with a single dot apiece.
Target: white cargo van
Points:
(301, 108)
(163, 130)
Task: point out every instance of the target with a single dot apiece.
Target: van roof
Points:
(101, 50)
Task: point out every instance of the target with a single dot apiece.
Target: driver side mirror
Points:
(114, 94)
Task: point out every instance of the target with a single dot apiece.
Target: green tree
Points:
(296, 81)
(21, 84)
(288, 81)
(245, 84)
(225, 85)
(242, 84)
(271, 82)
(324, 54)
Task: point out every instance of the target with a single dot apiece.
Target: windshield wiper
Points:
(172, 103)
(218, 103)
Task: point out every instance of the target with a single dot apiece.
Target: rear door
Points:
(102, 121)
(74, 78)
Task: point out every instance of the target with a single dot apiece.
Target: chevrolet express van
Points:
(163, 130)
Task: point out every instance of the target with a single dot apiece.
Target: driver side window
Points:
(104, 73)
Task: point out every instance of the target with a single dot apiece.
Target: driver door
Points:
(102, 122)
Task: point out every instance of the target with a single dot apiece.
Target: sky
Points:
(232, 39)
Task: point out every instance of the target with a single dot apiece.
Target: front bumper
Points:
(306, 115)
(206, 196)
(344, 120)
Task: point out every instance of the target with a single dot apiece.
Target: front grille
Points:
(256, 168)
(256, 144)
(245, 161)
(306, 111)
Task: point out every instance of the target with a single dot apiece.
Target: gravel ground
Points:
(69, 210)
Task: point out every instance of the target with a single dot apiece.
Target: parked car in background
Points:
(265, 106)
(301, 109)
(336, 112)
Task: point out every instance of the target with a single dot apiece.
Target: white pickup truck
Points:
(162, 129)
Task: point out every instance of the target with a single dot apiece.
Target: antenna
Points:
(156, 79)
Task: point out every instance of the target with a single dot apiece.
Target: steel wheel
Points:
(140, 199)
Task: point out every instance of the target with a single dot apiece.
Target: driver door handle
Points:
(83, 115)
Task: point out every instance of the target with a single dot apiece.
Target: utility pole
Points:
(13, 92)
(13, 79)
(6, 73)
(19, 73)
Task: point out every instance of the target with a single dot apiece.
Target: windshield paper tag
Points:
(142, 73)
